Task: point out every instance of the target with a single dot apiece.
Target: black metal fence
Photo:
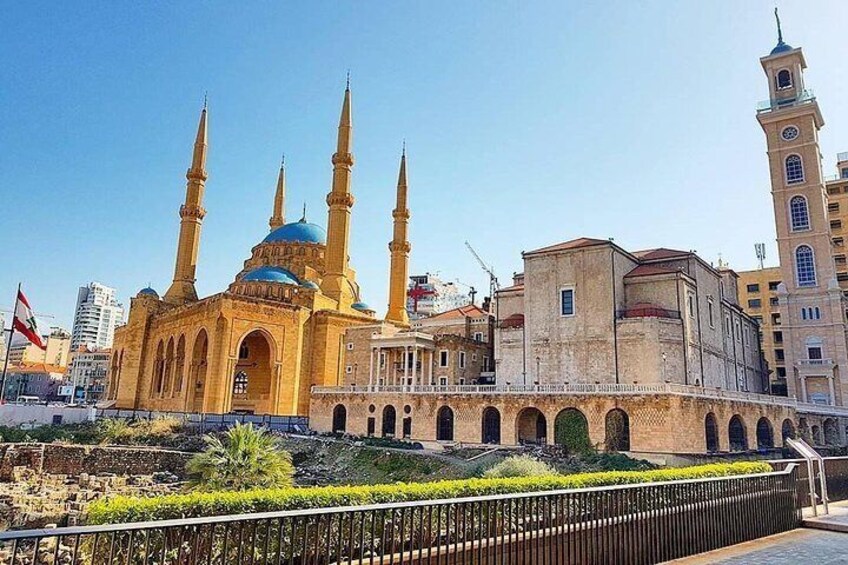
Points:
(627, 524)
(836, 476)
(289, 424)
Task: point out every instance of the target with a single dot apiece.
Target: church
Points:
(278, 329)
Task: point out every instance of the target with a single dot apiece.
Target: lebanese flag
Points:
(24, 322)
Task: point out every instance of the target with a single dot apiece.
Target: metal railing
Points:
(804, 97)
(814, 362)
(644, 523)
(208, 421)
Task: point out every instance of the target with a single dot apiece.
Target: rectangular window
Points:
(773, 285)
(738, 332)
(775, 319)
(814, 353)
(710, 312)
(444, 357)
(842, 276)
(382, 360)
(755, 303)
(443, 381)
(838, 241)
(778, 337)
(691, 305)
(774, 301)
(567, 301)
(833, 207)
(485, 362)
(478, 336)
(781, 372)
(843, 173)
(836, 224)
(462, 359)
(473, 357)
(778, 355)
(753, 288)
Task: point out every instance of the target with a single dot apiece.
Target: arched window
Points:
(571, 430)
(244, 351)
(805, 266)
(711, 432)
(794, 170)
(444, 424)
(799, 213)
(617, 430)
(240, 383)
(765, 435)
(737, 435)
(784, 79)
(339, 419)
(787, 430)
(491, 425)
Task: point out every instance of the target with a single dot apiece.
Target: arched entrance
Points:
(251, 380)
(818, 439)
(617, 431)
(389, 421)
(711, 433)
(787, 430)
(804, 430)
(196, 386)
(531, 426)
(339, 419)
(765, 434)
(571, 430)
(831, 431)
(444, 424)
(491, 425)
(737, 435)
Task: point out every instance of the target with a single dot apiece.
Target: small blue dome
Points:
(361, 306)
(781, 47)
(149, 291)
(301, 231)
(271, 274)
(311, 284)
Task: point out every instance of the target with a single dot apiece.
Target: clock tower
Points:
(812, 308)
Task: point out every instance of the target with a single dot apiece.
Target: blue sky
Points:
(527, 123)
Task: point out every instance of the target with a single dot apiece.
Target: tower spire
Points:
(191, 218)
(340, 201)
(779, 31)
(399, 249)
(278, 218)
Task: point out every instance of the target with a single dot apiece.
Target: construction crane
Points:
(494, 285)
(472, 292)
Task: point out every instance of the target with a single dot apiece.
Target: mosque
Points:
(278, 329)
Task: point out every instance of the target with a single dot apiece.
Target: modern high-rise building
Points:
(427, 295)
(97, 315)
(87, 373)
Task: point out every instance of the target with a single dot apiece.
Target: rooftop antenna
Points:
(760, 248)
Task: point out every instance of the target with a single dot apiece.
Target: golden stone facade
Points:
(275, 332)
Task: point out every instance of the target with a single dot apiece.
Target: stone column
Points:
(414, 365)
(405, 365)
(803, 388)
(831, 390)
(371, 368)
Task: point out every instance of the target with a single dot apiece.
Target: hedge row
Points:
(123, 509)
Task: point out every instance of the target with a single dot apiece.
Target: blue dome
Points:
(271, 274)
(301, 231)
(361, 306)
(781, 47)
(311, 284)
(149, 291)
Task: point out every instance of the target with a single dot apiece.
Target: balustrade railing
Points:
(644, 523)
(205, 421)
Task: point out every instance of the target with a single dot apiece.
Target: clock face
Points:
(789, 133)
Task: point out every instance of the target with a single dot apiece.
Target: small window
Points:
(738, 332)
(473, 357)
(817, 313)
(462, 359)
(833, 207)
(773, 285)
(349, 369)
(781, 372)
(784, 79)
(240, 383)
(444, 357)
(794, 170)
(567, 301)
(775, 319)
(753, 288)
(691, 305)
(805, 267)
(778, 355)
(838, 241)
(485, 362)
(814, 352)
(755, 303)
(778, 337)
(443, 381)
(836, 224)
(478, 336)
(843, 173)
(244, 352)
(382, 359)
(710, 312)
(350, 346)
(774, 301)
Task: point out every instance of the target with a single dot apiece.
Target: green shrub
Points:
(129, 509)
(242, 458)
(519, 466)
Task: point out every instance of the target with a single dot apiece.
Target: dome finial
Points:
(303, 218)
(779, 31)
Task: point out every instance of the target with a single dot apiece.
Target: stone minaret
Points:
(399, 248)
(336, 284)
(812, 309)
(279, 216)
(191, 218)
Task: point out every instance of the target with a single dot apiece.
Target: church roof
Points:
(300, 231)
(648, 270)
(271, 274)
(660, 253)
(572, 244)
(469, 311)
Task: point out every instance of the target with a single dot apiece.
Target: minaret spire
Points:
(191, 218)
(340, 201)
(399, 248)
(279, 216)
(779, 31)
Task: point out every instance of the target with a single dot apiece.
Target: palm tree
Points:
(243, 458)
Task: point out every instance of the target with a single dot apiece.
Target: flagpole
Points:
(9, 347)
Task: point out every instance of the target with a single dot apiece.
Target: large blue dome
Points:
(271, 274)
(301, 231)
